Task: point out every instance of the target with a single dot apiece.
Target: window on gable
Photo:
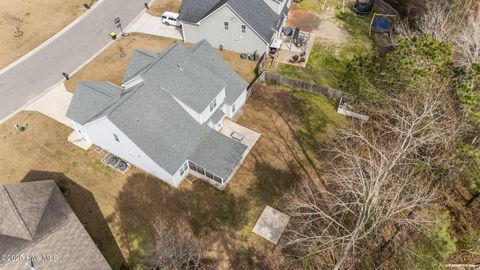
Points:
(244, 28)
(213, 104)
(116, 137)
(225, 25)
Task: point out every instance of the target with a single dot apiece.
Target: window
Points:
(192, 166)
(218, 179)
(213, 104)
(233, 107)
(183, 169)
(244, 28)
(200, 170)
(209, 174)
(225, 25)
(116, 137)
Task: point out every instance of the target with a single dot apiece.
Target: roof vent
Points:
(179, 66)
(213, 58)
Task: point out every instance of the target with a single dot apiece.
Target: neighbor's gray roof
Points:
(35, 219)
(205, 55)
(255, 13)
(155, 122)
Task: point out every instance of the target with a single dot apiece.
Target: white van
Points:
(170, 18)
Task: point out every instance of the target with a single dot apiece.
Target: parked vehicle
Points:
(170, 18)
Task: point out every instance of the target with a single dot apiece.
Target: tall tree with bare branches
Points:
(174, 249)
(376, 176)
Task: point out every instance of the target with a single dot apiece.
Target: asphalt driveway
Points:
(30, 78)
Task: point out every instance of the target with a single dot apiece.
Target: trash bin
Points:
(113, 35)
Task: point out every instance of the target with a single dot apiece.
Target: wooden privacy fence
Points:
(321, 90)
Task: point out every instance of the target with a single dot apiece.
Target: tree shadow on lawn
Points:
(198, 206)
(85, 207)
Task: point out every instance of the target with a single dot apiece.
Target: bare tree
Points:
(16, 23)
(374, 178)
(436, 20)
(467, 43)
(174, 249)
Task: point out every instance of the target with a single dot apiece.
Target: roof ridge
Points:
(96, 90)
(35, 241)
(154, 62)
(16, 212)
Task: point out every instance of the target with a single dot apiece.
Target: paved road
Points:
(37, 73)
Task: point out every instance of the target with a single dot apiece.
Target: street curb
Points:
(52, 38)
(28, 103)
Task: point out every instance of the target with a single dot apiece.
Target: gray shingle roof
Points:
(155, 122)
(36, 219)
(218, 153)
(209, 58)
(255, 13)
(91, 99)
(217, 116)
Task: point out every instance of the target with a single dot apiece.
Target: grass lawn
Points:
(327, 62)
(118, 209)
(38, 20)
(160, 6)
(111, 64)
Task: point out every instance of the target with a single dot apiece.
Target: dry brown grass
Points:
(160, 6)
(109, 65)
(40, 21)
(127, 203)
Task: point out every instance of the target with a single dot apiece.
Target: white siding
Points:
(238, 105)
(212, 29)
(100, 132)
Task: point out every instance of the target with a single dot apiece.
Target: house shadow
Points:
(85, 207)
(198, 208)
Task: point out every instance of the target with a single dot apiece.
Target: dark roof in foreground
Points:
(255, 13)
(150, 116)
(36, 219)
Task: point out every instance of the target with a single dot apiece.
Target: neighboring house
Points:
(165, 119)
(244, 26)
(36, 221)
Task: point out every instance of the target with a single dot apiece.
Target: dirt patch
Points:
(111, 64)
(324, 26)
(160, 6)
(37, 20)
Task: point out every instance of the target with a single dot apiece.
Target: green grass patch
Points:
(326, 64)
(318, 5)
(358, 26)
(319, 118)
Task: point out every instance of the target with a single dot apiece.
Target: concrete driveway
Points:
(153, 25)
(54, 104)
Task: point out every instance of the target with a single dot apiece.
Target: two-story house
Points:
(166, 115)
(245, 26)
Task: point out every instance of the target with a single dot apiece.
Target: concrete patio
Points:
(271, 224)
(249, 138)
(288, 50)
